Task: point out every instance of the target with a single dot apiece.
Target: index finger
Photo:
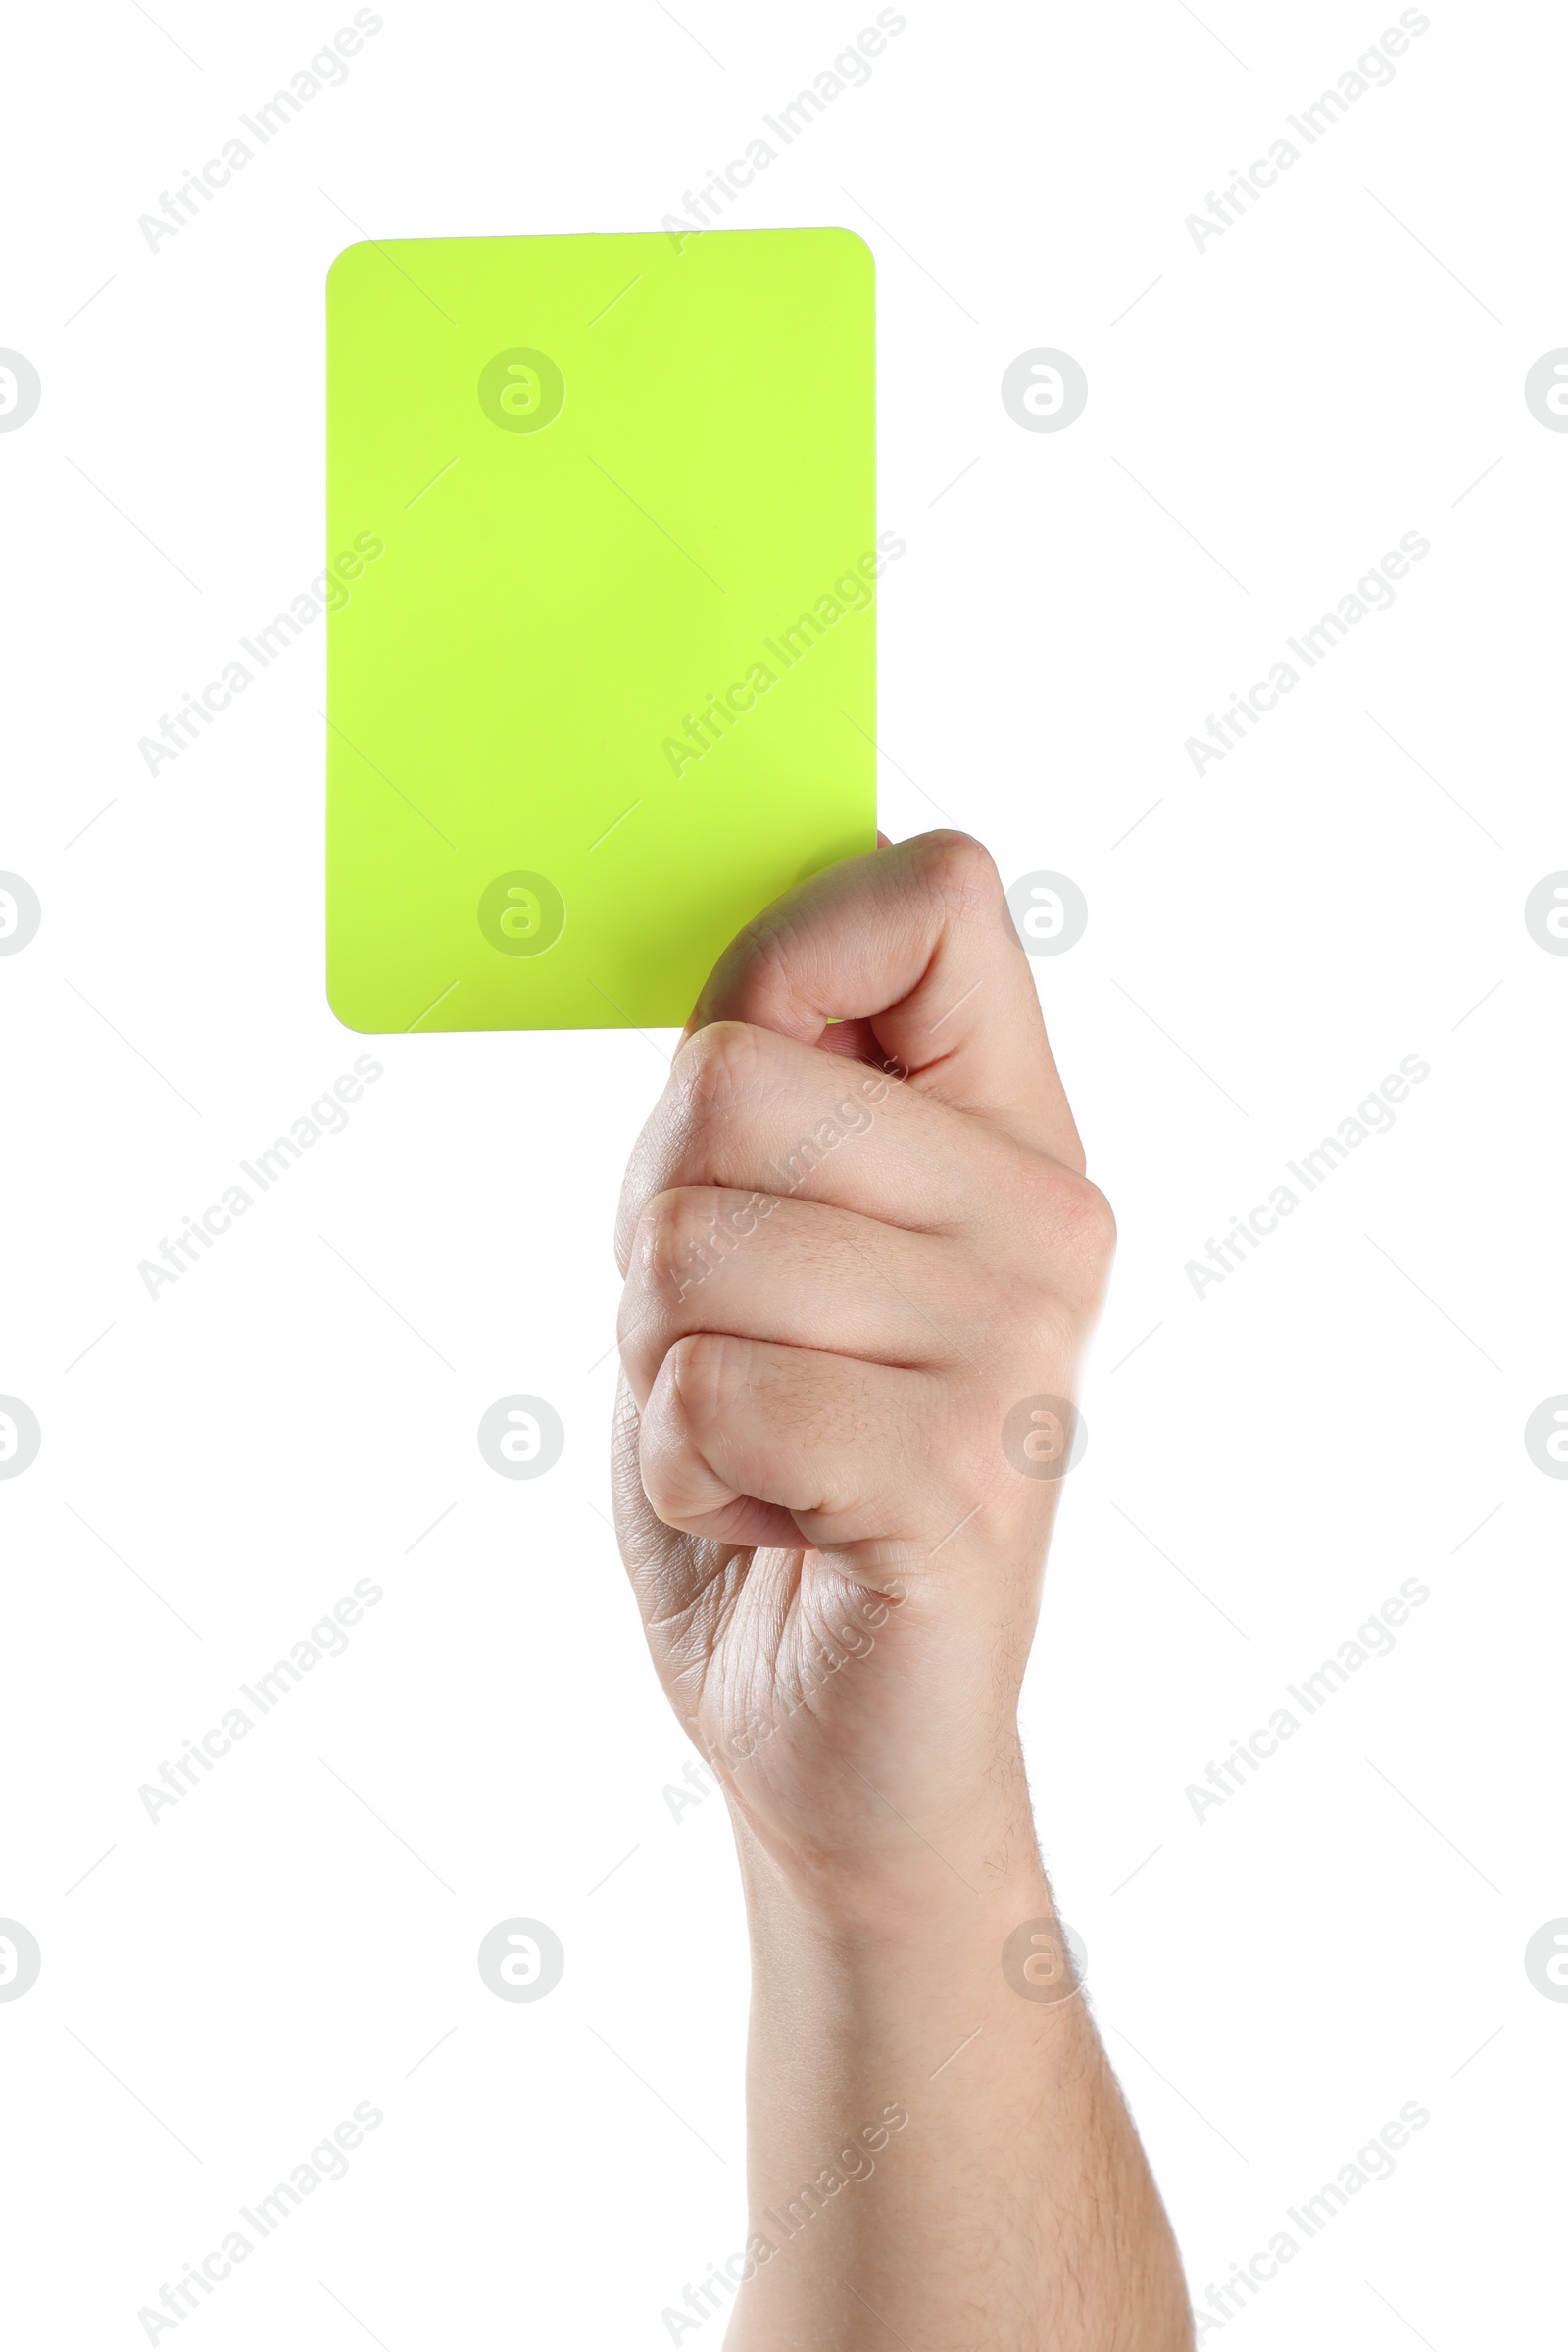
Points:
(907, 956)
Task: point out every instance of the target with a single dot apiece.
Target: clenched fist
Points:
(860, 1257)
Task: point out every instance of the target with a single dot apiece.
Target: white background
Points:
(1344, 1934)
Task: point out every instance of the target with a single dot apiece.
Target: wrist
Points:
(970, 1889)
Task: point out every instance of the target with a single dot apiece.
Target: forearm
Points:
(1012, 2208)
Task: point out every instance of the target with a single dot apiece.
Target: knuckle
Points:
(705, 1368)
(720, 1069)
(1089, 1226)
(1071, 1233)
(962, 870)
(1078, 1224)
(675, 1235)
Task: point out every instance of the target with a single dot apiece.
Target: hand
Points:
(861, 1256)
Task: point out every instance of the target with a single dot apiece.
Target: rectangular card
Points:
(602, 533)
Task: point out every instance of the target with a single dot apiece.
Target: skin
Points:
(856, 1235)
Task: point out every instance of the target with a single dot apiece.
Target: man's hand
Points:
(861, 1259)
(861, 1256)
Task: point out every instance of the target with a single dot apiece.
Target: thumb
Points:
(908, 956)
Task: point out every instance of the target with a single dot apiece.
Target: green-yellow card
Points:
(602, 534)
